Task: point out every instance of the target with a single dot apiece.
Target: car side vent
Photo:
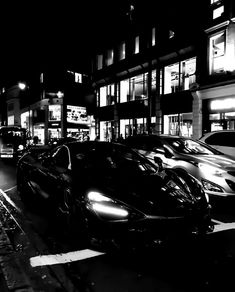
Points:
(231, 173)
(231, 184)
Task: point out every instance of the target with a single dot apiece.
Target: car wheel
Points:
(21, 186)
(72, 218)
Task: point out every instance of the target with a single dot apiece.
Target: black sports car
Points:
(115, 194)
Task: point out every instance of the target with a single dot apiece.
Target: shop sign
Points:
(77, 114)
(222, 104)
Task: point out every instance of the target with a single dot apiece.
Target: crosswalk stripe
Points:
(63, 258)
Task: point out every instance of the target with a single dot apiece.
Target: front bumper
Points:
(149, 231)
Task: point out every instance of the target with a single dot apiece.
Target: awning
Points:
(178, 102)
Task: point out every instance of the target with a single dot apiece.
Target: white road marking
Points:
(8, 190)
(9, 200)
(63, 258)
(224, 226)
(217, 222)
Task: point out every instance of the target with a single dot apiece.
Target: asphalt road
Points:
(55, 262)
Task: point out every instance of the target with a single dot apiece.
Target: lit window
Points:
(103, 96)
(124, 90)
(179, 76)
(78, 77)
(214, 1)
(54, 112)
(99, 62)
(122, 51)
(217, 53)
(171, 78)
(41, 78)
(109, 60)
(217, 12)
(137, 45)
(10, 120)
(153, 36)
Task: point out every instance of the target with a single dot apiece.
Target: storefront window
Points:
(217, 53)
(129, 127)
(39, 131)
(54, 112)
(180, 124)
(106, 130)
(222, 121)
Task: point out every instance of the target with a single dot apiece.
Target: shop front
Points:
(177, 114)
(77, 122)
(219, 114)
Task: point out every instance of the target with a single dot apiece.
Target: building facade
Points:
(159, 79)
(53, 105)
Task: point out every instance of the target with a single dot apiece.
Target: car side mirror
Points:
(159, 150)
(158, 161)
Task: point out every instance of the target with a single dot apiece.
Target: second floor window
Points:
(179, 76)
(134, 88)
(109, 58)
(99, 62)
(137, 45)
(107, 95)
(122, 51)
(217, 12)
(153, 36)
(217, 53)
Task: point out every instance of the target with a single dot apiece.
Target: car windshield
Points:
(189, 146)
(107, 157)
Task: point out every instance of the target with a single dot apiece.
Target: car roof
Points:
(215, 132)
(160, 135)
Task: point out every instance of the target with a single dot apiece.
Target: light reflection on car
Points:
(215, 170)
(114, 194)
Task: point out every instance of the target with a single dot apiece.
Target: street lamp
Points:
(22, 85)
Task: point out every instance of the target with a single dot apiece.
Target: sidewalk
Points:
(16, 272)
(12, 276)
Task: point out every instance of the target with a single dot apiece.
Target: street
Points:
(57, 262)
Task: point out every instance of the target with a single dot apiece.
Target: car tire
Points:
(72, 219)
(21, 186)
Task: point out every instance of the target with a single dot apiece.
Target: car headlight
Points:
(210, 169)
(106, 207)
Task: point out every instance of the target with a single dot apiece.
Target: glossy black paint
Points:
(157, 205)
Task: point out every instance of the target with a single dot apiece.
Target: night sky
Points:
(38, 34)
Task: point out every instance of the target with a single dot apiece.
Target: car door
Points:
(59, 175)
(53, 177)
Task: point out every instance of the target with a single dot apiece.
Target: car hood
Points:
(162, 194)
(220, 161)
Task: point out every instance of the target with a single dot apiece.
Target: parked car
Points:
(223, 140)
(53, 142)
(114, 194)
(212, 168)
